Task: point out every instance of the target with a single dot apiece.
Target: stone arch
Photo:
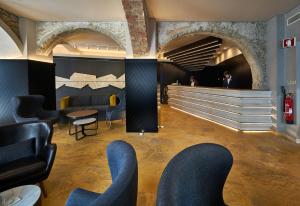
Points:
(12, 41)
(249, 37)
(49, 34)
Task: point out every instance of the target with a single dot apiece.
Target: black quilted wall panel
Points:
(13, 82)
(141, 95)
(41, 79)
(23, 77)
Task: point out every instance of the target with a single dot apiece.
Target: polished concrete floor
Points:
(266, 168)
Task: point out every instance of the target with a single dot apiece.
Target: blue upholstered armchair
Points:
(30, 108)
(195, 177)
(116, 112)
(123, 191)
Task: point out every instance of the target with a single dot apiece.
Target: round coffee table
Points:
(82, 118)
(27, 195)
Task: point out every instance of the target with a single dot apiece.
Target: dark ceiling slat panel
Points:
(196, 49)
(193, 65)
(201, 43)
(194, 70)
(196, 58)
(195, 52)
(194, 62)
(196, 55)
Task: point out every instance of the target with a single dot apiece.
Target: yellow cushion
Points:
(113, 100)
(64, 102)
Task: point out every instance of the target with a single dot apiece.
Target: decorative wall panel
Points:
(88, 76)
(80, 80)
(141, 95)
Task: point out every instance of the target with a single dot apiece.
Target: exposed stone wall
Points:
(137, 17)
(249, 36)
(49, 34)
(11, 20)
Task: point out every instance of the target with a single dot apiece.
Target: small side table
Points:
(27, 195)
(82, 123)
(81, 114)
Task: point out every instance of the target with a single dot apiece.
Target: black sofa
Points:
(84, 102)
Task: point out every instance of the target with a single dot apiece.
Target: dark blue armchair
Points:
(195, 177)
(30, 108)
(116, 112)
(123, 191)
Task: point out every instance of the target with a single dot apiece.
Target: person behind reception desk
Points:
(193, 81)
(227, 80)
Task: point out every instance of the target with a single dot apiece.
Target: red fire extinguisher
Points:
(288, 109)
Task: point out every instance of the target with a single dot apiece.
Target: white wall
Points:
(28, 37)
(283, 69)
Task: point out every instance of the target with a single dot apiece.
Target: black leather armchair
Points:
(26, 154)
(30, 108)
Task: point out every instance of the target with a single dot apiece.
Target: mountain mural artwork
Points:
(80, 80)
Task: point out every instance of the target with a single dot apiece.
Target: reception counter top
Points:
(245, 110)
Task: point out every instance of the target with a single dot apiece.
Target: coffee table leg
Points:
(97, 122)
(76, 132)
(70, 127)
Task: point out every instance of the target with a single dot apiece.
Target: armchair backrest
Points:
(23, 139)
(195, 176)
(27, 106)
(123, 167)
(122, 103)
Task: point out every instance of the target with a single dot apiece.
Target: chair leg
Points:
(108, 122)
(42, 186)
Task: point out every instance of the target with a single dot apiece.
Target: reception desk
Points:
(246, 110)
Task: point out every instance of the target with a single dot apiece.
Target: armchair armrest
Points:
(110, 108)
(49, 113)
(81, 197)
(22, 119)
(48, 155)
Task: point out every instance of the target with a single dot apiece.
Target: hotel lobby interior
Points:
(147, 102)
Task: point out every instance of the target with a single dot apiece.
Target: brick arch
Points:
(249, 37)
(49, 34)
